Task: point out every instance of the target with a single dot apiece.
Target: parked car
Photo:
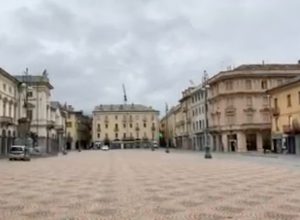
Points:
(105, 147)
(19, 152)
(155, 144)
(97, 145)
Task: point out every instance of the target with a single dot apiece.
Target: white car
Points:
(105, 147)
(19, 152)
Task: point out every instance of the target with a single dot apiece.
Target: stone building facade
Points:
(11, 109)
(125, 126)
(285, 105)
(239, 107)
(184, 124)
(78, 129)
(198, 117)
(38, 109)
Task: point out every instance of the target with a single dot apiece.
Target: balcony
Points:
(5, 120)
(250, 110)
(265, 109)
(230, 111)
(50, 124)
(153, 128)
(275, 111)
(59, 127)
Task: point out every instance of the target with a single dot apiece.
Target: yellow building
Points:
(78, 129)
(286, 117)
(125, 126)
(168, 127)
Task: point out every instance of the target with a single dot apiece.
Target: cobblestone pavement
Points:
(144, 185)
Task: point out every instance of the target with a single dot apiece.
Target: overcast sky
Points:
(154, 47)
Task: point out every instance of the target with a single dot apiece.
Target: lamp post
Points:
(167, 134)
(24, 122)
(207, 147)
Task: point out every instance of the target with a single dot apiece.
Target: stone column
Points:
(259, 142)
(225, 142)
(241, 142)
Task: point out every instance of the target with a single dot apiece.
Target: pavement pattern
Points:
(146, 185)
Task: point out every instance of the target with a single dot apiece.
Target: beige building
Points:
(11, 109)
(286, 117)
(168, 127)
(125, 126)
(78, 129)
(239, 108)
(184, 120)
(42, 125)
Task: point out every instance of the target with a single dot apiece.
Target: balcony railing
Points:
(59, 127)
(5, 120)
(50, 124)
(230, 111)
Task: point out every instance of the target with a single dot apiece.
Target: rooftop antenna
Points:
(125, 96)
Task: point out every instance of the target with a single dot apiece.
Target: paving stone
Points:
(141, 184)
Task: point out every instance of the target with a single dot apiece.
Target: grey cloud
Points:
(155, 47)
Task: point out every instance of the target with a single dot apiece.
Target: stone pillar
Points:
(225, 142)
(259, 142)
(217, 143)
(241, 142)
(297, 144)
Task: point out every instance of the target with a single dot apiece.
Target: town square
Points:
(149, 110)
(144, 184)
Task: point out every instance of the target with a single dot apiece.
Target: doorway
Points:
(251, 142)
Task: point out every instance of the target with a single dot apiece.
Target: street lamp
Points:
(167, 137)
(207, 147)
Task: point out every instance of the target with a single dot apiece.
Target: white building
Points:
(38, 92)
(11, 108)
(198, 117)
